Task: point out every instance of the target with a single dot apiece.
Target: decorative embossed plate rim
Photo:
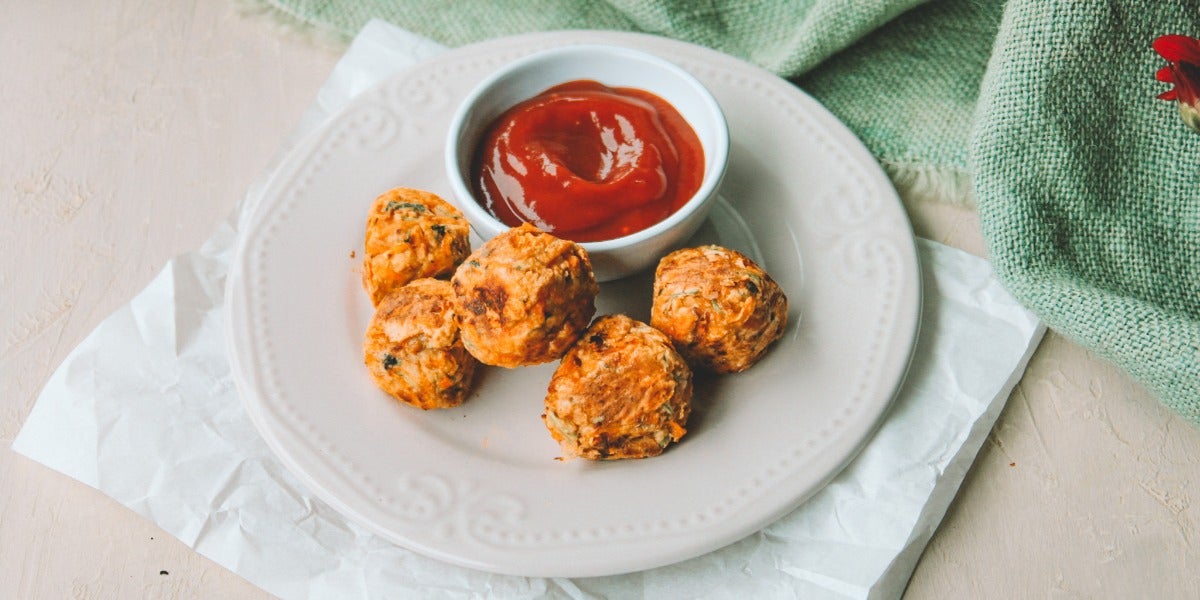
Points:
(479, 486)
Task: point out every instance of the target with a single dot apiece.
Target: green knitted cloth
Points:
(1043, 111)
(1089, 188)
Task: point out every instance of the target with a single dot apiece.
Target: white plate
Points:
(479, 486)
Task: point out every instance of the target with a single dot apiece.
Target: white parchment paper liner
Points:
(145, 410)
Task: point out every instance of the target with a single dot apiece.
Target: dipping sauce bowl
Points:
(617, 68)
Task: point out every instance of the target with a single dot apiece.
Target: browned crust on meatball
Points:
(524, 297)
(413, 349)
(411, 234)
(622, 391)
(720, 309)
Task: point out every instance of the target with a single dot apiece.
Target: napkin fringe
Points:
(919, 182)
(294, 25)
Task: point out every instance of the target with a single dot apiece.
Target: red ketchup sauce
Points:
(588, 162)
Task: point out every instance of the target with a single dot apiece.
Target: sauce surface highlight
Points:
(588, 162)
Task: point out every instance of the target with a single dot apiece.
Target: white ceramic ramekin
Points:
(616, 67)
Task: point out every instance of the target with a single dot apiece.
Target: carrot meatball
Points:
(413, 349)
(524, 297)
(720, 309)
(622, 391)
(411, 234)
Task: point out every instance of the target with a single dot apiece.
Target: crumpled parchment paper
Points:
(146, 411)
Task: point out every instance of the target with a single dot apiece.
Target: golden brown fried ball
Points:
(413, 349)
(524, 297)
(720, 309)
(622, 391)
(411, 234)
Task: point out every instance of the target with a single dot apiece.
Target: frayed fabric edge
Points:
(290, 23)
(919, 183)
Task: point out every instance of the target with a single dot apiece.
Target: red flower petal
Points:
(1178, 48)
(1168, 95)
(1165, 74)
